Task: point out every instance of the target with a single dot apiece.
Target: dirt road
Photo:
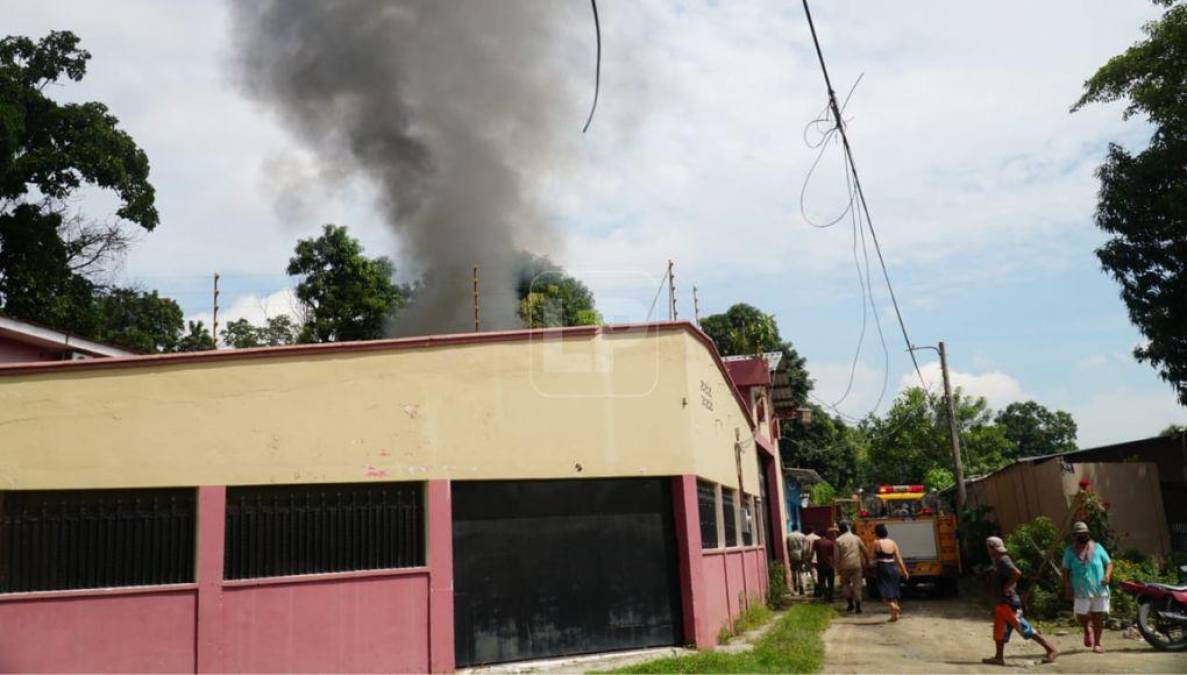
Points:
(953, 635)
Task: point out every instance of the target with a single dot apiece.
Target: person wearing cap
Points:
(1087, 571)
(1007, 613)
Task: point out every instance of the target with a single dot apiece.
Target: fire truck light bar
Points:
(888, 489)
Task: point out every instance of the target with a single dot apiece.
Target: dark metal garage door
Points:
(550, 568)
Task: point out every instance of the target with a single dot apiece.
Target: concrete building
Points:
(21, 341)
(400, 505)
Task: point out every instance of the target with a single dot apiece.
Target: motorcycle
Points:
(1162, 612)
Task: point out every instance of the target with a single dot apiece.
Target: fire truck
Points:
(925, 533)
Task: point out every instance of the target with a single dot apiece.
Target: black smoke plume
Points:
(453, 109)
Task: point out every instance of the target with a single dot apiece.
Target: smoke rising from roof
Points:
(450, 108)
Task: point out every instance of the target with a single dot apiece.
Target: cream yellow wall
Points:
(717, 422)
(613, 404)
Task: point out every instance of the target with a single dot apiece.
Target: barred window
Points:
(54, 540)
(760, 520)
(730, 516)
(281, 530)
(707, 505)
(747, 520)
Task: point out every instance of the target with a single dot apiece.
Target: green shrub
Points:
(822, 494)
(1032, 546)
(1035, 549)
(778, 595)
(1134, 566)
(975, 526)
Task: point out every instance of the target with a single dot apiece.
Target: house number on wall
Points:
(706, 395)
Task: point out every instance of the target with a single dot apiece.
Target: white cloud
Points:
(998, 388)
(254, 308)
(1092, 361)
(833, 390)
(1125, 414)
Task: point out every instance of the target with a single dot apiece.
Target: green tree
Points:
(827, 445)
(56, 148)
(344, 294)
(1142, 203)
(939, 478)
(196, 339)
(745, 330)
(913, 438)
(1174, 430)
(276, 330)
(139, 321)
(1036, 430)
(548, 297)
(48, 152)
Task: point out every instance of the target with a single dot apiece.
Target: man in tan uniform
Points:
(851, 557)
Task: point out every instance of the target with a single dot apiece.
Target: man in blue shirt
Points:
(1087, 571)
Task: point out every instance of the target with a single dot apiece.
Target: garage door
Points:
(551, 568)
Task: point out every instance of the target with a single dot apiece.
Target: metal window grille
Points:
(52, 540)
(281, 530)
(747, 520)
(730, 516)
(760, 521)
(707, 505)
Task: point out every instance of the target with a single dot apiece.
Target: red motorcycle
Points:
(1162, 612)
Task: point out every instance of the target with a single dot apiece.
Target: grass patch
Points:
(793, 645)
(752, 617)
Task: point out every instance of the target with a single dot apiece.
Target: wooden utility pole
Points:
(696, 306)
(671, 293)
(477, 321)
(214, 314)
(960, 492)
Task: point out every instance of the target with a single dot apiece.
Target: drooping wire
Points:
(821, 146)
(597, 66)
(861, 199)
(662, 282)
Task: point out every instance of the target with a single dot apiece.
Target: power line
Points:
(597, 66)
(852, 168)
(654, 300)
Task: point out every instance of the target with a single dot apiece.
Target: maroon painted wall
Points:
(373, 621)
(126, 632)
(368, 624)
(12, 351)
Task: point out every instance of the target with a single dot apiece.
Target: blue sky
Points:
(979, 180)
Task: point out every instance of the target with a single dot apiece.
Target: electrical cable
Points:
(662, 283)
(597, 66)
(852, 165)
(826, 137)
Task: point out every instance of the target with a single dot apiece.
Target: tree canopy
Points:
(275, 331)
(745, 330)
(343, 294)
(548, 297)
(49, 256)
(1142, 203)
(1034, 430)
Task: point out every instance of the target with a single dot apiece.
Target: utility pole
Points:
(477, 322)
(960, 493)
(696, 306)
(957, 464)
(671, 293)
(214, 314)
